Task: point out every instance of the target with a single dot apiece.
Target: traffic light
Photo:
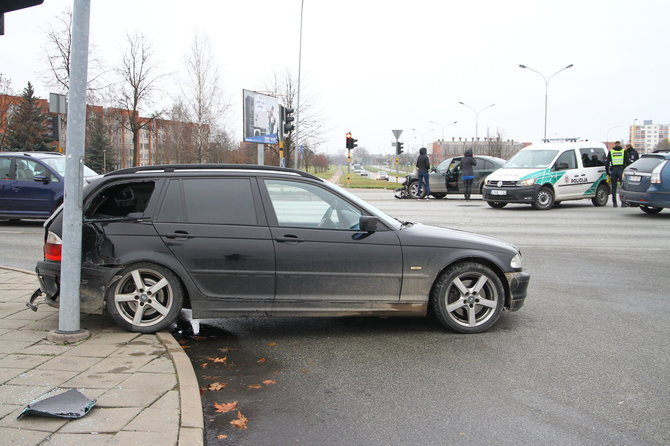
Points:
(287, 120)
(52, 129)
(13, 5)
(398, 147)
(351, 142)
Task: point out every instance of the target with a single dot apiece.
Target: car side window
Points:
(593, 157)
(26, 170)
(304, 205)
(223, 201)
(5, 164)
(125, 200)
(566, 161)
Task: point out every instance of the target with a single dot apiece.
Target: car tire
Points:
(602, 195)
(496, 204)
(413, 189)
(468, 297)
(147, 298)
(650, 209)
(544, 199)
(439, 195)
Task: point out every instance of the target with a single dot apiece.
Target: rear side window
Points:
(593, 157)
(127, 200)
(5, 164)
(221, 201)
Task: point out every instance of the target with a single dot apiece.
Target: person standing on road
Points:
(467, 172)
(631, 155)
(423, 167)
(616, 159)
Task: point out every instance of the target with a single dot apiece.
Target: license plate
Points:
(635, 178)
(498, 192)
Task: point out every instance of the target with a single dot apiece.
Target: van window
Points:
(593, 157)
(566, 161)
(126, 200)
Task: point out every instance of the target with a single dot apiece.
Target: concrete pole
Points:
(68, 316)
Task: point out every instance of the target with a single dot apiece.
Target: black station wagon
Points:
(237, 240)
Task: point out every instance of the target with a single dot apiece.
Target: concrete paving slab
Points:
(129, 438)
(91, 350)
(21, 395)
(59, 439)
(96, 380)
(8, 374)
(102, 420)
(33, 422)
(68, 363)
(120, 364)
(23, 335)
(52, 378)
(14, 346)
(158, 365)
(22, 437)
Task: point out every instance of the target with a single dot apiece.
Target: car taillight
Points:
(656, 173)
(53, 247)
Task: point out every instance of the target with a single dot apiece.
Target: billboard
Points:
(261, 118)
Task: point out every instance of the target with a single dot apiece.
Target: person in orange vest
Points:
(616, 161)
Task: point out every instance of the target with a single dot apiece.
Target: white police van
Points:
(544, 174)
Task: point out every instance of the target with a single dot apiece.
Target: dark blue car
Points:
(31, 183)
(646, 183)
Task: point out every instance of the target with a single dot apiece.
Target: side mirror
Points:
(368, 223)
(41, 179)
(561, 166)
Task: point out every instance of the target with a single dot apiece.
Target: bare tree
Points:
(202, 94)
(59, 53)
(311, 121)
(5, 106)
(139, 82)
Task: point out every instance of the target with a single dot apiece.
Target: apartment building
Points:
(647, 136)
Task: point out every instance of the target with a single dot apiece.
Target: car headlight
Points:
(516, 262)
(526, 182)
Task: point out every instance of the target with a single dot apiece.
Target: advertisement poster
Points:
(261, 118)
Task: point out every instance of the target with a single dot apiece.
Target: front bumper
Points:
(518, 286)
(91, 288)
(521, 194)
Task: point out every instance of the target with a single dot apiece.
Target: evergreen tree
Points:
(26, 128)
(98, 146)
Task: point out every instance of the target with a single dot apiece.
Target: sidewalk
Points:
(145, 387)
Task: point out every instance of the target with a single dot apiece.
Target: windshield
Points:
(390, 221)
(531, 159)
(58, 164)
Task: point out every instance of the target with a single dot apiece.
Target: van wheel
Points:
(146, 299)
(496, 204)
(650, 209)
(544, 199)
(602, 195)
(468, 297)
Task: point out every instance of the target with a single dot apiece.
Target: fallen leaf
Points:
(222, 437)
(254, 386)
(202, 391)
(268, 382)
(226, 407)
(184, 347)
(199, 338)
(271, 344)
(305, 371)
(208, 377)
(204, 365)
(182, 341)
(217, 386)
(241, 421)
(261, 360)
(223, 360)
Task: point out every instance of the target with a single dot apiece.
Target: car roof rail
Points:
(178, 167)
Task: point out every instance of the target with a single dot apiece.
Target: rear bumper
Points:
(91, 289)
(523, 194)
(646, 198)
(518, 286)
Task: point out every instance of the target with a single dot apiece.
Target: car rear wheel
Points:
(468, 297)
(602, 195)
(146, 299)
(496, 204)
(650, 209)
(544, 199)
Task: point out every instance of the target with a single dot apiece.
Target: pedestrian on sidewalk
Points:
(467, 172)
(423, 167)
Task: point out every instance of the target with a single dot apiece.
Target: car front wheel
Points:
(468, 297)
(544, 199)
(414, 190)
(650, 209)
(146, 299)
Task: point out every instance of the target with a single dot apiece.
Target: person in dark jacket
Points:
(631, 155)
(467, 172)
(423, 167)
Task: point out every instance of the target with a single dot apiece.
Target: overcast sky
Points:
(371, 66)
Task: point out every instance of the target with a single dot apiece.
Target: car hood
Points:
(512, 174)
(419, 234)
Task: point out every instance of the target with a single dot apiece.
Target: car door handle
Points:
(178, 234)
(288, 238)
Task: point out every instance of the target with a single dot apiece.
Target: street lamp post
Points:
(443, 126)
(607, 141)
(423, 136)
(477, 112)
(297, 108)
(546, 90)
